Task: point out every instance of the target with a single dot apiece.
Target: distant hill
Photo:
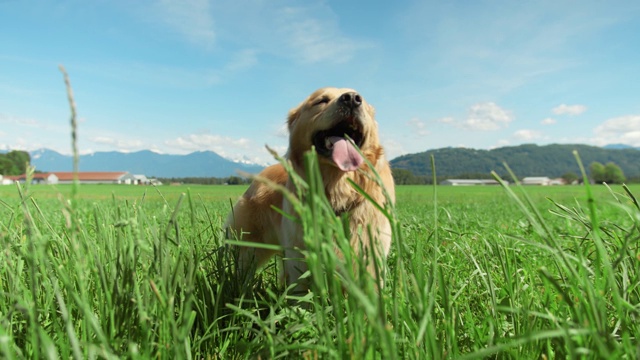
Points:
(525, 160)
(149, 163)
(620, 146)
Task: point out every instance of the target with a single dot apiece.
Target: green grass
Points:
(474, 272)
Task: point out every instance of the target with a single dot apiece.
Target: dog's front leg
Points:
(294, 262)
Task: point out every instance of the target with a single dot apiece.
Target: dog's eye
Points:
(322, 100)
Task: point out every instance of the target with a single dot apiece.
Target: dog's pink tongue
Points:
(345, 154)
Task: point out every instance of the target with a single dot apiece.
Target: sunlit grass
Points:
(146, 273)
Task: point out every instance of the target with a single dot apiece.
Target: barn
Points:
(470, 182)
(88, 177)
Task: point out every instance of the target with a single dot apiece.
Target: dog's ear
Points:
(293, 116)
(294, 113)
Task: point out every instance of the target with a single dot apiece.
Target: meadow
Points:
(117, 271)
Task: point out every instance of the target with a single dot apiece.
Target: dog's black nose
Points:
(351, 99)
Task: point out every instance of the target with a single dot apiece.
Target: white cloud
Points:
(119, 144)
(487, 116)
(418, 127)
(281, 150)
(103, 140)
(237, 149)
(19, 143)
(14, 120)
(564, 109)
(502, 143)
(527, 135)
(199, 142)
(623, 129)
(242, 60)
(190, 18)
(393, 148)
(446, 120)
(548, 121)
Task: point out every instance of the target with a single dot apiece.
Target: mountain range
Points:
(149, 163)
(525, 160)
(620, 146)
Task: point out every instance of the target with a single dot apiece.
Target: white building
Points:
(536, 180)
(470, 182)
(5, 181)
(140, 180)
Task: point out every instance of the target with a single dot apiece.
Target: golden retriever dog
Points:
(334, 121)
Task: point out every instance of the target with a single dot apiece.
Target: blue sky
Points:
(184, 76)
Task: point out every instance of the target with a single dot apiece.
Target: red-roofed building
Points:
(66, 177)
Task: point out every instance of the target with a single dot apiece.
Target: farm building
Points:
(542, 180)
(470, 182)
(5, 181)
(37, 178)
(66, 177)
(536, 180)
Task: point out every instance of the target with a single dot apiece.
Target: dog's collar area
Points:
(341, 212)
(345, 210)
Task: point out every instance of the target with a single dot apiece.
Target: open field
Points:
(141, 272)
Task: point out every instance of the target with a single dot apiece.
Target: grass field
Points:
(474, 272)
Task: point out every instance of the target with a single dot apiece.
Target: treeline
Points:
(14, 162)
(598, 173)
(231, 180)
(609, 173)
(525, 160)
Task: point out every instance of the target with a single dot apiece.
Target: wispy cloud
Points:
(418, 127)
(192, 19)
(548, 121)
(22, 122)
(120, 144)
(242, 60)
(501, 46)
(306, 32)
(175, 76)
(313, 35)
(564, 109)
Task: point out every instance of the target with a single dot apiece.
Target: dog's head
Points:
(334, 120)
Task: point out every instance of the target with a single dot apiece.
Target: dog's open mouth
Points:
(334, 143)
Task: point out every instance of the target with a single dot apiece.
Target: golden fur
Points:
(322, 112)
